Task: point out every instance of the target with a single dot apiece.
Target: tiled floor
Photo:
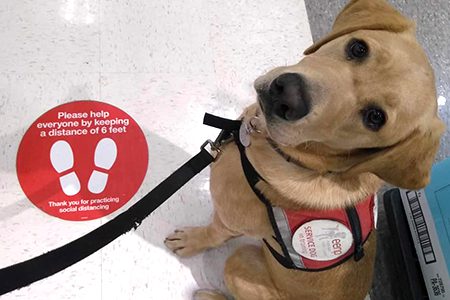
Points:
(163, 62)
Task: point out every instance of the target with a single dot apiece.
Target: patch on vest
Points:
(322, 240)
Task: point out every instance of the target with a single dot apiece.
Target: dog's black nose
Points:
(287, 93)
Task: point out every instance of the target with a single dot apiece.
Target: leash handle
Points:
(45, 265)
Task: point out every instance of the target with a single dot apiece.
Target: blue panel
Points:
(438, 195)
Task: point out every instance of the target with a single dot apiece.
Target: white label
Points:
(322, 240)
(426, 242)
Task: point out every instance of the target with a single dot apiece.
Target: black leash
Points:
(45, 265)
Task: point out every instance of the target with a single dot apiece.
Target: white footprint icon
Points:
(104, 157)
(61, 157)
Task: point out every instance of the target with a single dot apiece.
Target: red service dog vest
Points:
(317, 240)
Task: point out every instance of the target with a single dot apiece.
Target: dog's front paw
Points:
(188, 241)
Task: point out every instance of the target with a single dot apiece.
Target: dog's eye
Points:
(357, 49)
(373, 118)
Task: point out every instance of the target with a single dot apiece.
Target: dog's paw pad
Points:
(187, 241)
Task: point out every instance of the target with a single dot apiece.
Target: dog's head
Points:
(365, 88)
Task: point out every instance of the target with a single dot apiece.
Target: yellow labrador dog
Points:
(324, 135)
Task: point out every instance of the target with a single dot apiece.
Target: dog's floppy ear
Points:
(365, 14)
(406, 164)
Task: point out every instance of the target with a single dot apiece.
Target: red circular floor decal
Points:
(82, 160)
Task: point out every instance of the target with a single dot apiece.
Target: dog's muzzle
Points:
(285, 97)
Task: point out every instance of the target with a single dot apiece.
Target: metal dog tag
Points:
(244, 135)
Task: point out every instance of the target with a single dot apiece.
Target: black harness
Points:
(231, 131)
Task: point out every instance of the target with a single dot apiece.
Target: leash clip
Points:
(246, 130)
(215, 150)
(253, 124)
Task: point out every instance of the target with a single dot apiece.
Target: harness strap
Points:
(231, 127)
(253, 178)
(285, 261)
(355, 224)
(40, 267)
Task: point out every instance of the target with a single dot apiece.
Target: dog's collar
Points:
(251, 126)
(286, 156)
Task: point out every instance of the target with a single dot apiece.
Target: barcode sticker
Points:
(426, 242)
(421, 227)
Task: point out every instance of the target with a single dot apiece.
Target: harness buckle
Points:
(215, 150)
